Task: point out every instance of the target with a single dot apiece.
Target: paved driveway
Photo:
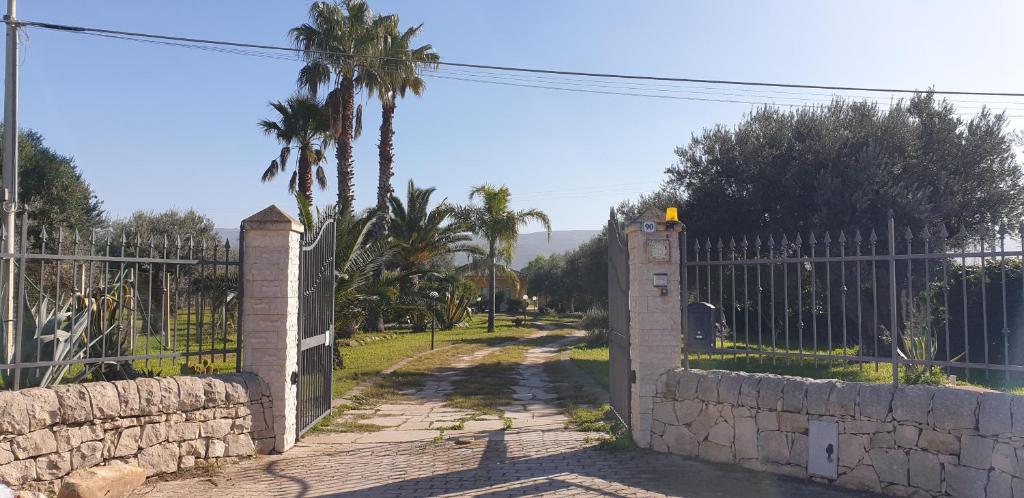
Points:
(425, 452)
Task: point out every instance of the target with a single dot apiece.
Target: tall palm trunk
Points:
(343, 151)
(492, 284)
(386, 155)
(305, 175)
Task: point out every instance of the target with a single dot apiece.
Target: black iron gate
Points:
(316, 321)
(619, 372)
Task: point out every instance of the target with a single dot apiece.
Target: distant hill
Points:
(530, 245)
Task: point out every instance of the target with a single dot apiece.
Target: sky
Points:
(154, 127)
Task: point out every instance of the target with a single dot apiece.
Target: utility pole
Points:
(10, 177)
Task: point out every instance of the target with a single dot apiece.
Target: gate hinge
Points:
(632, 376)
(295, 378)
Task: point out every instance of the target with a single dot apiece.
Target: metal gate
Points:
(619, 372)
(316, 321)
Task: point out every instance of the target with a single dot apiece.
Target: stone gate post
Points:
(270, 310)
(655, 315)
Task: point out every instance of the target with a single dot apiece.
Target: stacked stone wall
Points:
(160, 424)
(903, 441)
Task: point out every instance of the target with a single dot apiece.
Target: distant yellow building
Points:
(505, 287)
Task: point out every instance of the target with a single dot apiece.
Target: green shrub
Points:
(595, 322)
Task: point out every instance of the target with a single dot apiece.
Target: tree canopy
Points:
(845, 166)
(51, 185)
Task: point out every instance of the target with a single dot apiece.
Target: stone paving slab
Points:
(538, 456)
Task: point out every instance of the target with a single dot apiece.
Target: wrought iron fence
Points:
(921, 300)
(89, 305)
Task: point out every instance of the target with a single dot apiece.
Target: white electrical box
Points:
(823, 449)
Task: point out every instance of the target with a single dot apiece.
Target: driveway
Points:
(429, 449)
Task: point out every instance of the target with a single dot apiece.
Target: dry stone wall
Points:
(905, 441)
(159, 424)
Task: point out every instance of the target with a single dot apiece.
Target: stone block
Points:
(729, 388)
(852, 449)
(818, 394)
(244, 424)
(704, 422)
(793, 395)
(715, 452)
(195, 448)
(214, 393)
(236, 392)
(721, 433)
(169, 396)
(994, 414)
(798, 450)
(153, 434)
(875, 401)
(883, 440)
(965, 482)
(843, 399)
(864, 427)
(128, 442)
(104, 482)
(925, 471)
(75, 405)
(43, 407)
(238, 445)
(954, 409)
(1004, 458)
(87, 455)
(890, 465)
(939, 442)
(976, 452)
(767, 421)
(906, 436)
(862, 477)
(127, 397)
(749, 391)
(793, 422)
(191, 393)
(33, 444)
(18, 472)
(183, 431)
(912, 403)
(664, 412)
(770, 392)
(159, 459)
(999, 485)
(150, 400)
(707, 389)
(215, 447)
(6, 455)
(53, 466)
(221, 427)
(687, 410)
(105, 401)
(773, 447)
(745, 440)
(14, 418)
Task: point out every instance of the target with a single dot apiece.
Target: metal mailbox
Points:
(701, 323)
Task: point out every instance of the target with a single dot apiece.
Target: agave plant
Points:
(84, 325)
(451, 300)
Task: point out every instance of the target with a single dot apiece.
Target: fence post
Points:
(655, 315)
(270, 310)
(894, 332)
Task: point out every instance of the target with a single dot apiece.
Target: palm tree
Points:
(499, 225)
(338, 43)
(302, 125)
(423, 237)
(396, 73)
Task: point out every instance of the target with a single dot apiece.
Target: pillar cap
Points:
(272, 218)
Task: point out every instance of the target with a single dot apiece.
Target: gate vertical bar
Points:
(894, 332)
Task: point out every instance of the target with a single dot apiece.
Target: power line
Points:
(242, 45)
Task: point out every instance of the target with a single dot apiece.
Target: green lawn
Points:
(594, 361)
(371, 357)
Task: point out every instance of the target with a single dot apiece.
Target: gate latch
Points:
(632, 376)
(295, 378)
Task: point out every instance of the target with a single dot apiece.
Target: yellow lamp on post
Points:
(671, 216)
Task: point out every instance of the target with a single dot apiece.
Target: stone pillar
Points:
(655, 316)
(270, 310)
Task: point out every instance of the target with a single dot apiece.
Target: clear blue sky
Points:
(154, 127)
